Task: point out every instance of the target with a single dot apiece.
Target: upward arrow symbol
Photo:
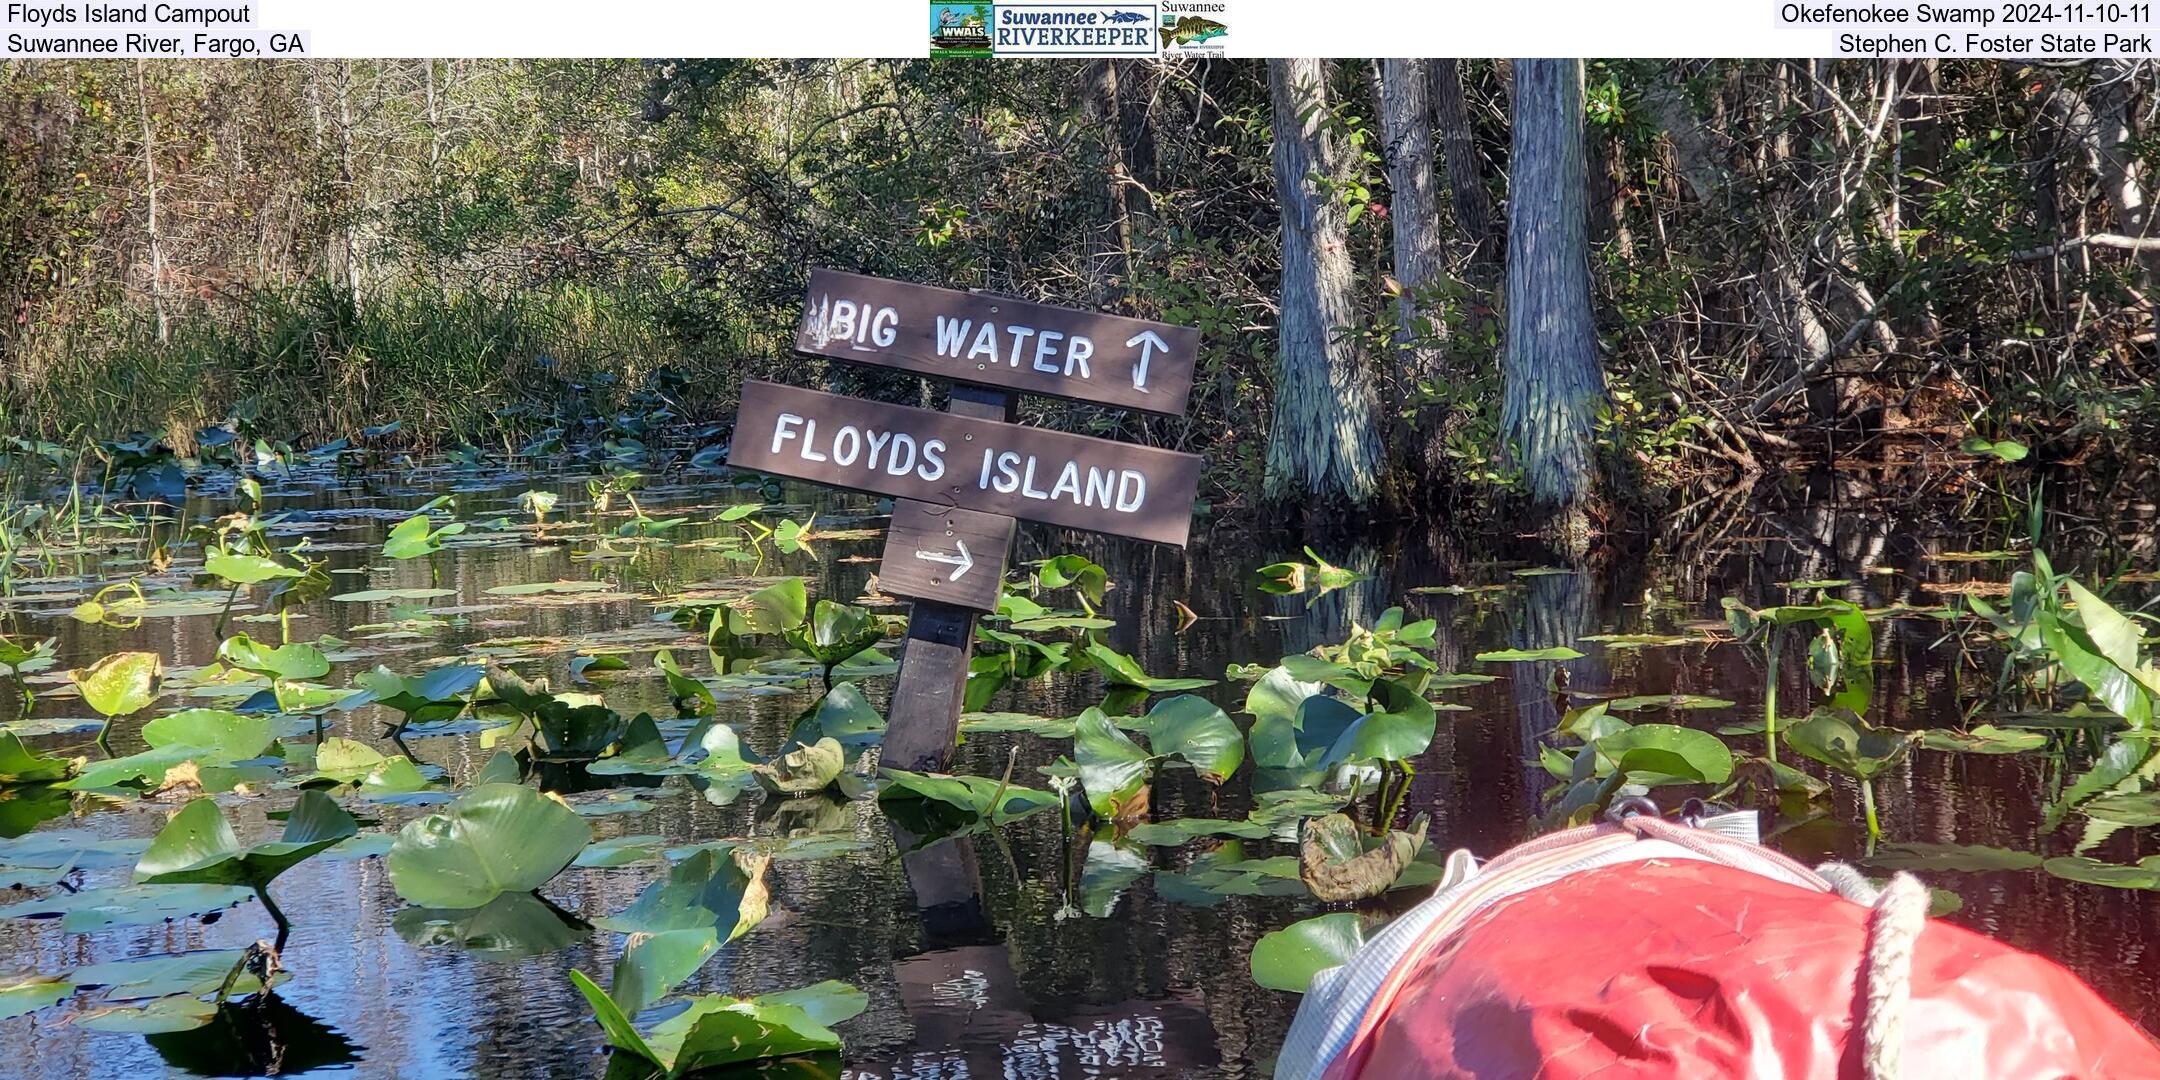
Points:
(1149, 341)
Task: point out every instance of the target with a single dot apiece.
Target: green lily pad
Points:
(130, 905)
(497, 838)
(294, 661)
(1509, 656)
(198, 845)
(715, 1031)
(1984, 739)
(2144, 875)
(1113, 769)
(26, 994)
(1844, 742)
(242, 568)
(843, 715)
(1182, 831)
(1121, 670)
(1048, 727)
(1197, 730)
(1654, 754)
(168, 1014)
(121, 684)
(1951, 858)
(20, 764)
(541, 588)
(165, 976)
(977, 796)
(1665, 701)
(1289, 958)
(368, 596)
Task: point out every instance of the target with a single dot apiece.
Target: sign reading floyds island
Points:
(1049, 476)
(959, 478)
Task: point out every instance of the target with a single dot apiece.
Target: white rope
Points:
(1894, 926)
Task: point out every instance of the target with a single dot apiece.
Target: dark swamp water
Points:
(1010, 954)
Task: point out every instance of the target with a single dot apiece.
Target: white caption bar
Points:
(1996, 29)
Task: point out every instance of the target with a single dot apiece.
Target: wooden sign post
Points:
(959, 479)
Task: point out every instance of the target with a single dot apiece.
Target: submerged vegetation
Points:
(281, 752)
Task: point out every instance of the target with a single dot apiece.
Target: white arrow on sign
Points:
(963, 562)
(1149, 341)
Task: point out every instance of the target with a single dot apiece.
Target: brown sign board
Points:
(983, 465)
(997, 341)
(944, 553)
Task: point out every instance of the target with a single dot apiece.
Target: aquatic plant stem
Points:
(219, 630)
(1867, 803)
(284, 929)
(1769, 698)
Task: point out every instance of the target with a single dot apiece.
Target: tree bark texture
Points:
(1414, 216)
(1322, 444)
(1458, 147)
(1550, 364)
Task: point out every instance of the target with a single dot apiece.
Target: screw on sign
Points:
(959, 479)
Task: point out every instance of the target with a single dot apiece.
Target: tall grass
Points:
(315, 362)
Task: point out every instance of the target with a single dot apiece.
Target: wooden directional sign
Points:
(946, 554)
(983, 465)
(996, 341)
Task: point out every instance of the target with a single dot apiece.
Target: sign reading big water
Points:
(1000, 342)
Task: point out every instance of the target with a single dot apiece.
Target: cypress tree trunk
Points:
(1322, 444)
(1458, 145)
(1406, 123)
(1550, 364)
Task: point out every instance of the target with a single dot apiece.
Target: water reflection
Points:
(1025, 953)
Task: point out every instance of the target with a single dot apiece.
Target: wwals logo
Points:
(959, 29)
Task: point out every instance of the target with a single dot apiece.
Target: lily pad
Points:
(1341, 862)
(368, 596)
(1665, 701)
(198, 845)
(1984, 739)
(131, 905)
(1113, 769)
(808, 769)
(294, 661)
(2144, 875)
(1510, 656)
(1846, 743)
(27, 994)
(1289, 958)
(21, 765)
(715, 1031)
(1197, 730)
(1951, 858)
(1121, 670)
(497, 838)
(976, 796)
(121, 684)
